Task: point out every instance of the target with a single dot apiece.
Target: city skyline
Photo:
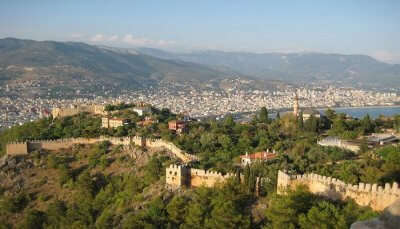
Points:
(347, 27)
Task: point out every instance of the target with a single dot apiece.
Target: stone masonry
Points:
(178, 176)
(22, 148)
(374, 196)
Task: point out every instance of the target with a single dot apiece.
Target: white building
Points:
(382, 139)
(142, 110)
(336, 142)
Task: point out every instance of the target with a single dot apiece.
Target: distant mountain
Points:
(317, 68)
(73, 66)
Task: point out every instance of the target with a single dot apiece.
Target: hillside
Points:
(71, 66)
(102, 185)
(303, 68)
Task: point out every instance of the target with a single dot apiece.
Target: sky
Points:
(336, 26)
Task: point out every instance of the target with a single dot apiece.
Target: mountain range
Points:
(79, 66)
(298, 68)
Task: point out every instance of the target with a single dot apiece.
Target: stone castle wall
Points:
(21, 148)
(200, 177)
(159, 143)
(69, 111)
(17, 148)
(178, 176)
(374, 196)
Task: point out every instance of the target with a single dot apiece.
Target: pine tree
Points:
(263, 116)
(237, 177)
(247, 175)
(300, 122)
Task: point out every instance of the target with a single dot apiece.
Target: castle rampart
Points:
(17, 148)
(178, 176)
(69, 111)
(377, 197)
(22, 148)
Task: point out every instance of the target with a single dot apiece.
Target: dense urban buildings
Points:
(199, 103)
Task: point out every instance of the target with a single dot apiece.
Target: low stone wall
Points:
(377, 197)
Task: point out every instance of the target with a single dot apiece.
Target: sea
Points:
(374, 112)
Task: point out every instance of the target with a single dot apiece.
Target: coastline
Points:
(358, 107)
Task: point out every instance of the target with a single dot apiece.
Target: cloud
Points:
(98, 38)
(140, 41)
(386, 56)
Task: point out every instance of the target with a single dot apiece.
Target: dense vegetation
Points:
(219, 143)
(85, 125)
(85, 192)
(100, 186)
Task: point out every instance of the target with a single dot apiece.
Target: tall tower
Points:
(296, 105)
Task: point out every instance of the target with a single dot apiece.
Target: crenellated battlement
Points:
(17, 148)
(373, 195)
(178, 176)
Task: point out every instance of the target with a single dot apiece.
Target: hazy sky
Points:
(351, 27)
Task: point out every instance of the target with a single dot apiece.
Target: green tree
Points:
(323, 215)
(176, 210)
(283, 211)
(263, 116)
(199, 209)
(311, 124)
(367, 126)
(226, 214)
(278, 115)
(228, 121)
(33, 219)
(330, 114)
(300, 121)
(56, 212)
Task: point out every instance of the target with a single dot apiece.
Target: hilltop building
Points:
(336, 142)
(142, 108)
(178, 126)
(381, 139)
(147, 121)
(307, 113)
(75, 109)
(113, 122)
(248, 159)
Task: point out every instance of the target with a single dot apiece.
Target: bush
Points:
(14, 204)
(33, 219)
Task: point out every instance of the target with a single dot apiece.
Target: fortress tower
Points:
(176, 176)
(296, 108)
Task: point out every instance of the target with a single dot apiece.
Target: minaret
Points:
(296, 105)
